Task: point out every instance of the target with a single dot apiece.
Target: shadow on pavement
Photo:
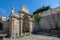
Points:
(47, 34)
(1, 38)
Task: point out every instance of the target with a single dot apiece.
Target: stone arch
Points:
(26, 25)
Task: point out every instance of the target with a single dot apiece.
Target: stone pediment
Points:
(24, 9)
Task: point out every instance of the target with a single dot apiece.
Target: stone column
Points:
(30, 27)
(21, 26)
(12, 29)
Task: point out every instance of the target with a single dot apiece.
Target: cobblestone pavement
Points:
(34, 37)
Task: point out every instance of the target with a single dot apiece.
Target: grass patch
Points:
(24, 34)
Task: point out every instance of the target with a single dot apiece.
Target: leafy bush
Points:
(56, 26)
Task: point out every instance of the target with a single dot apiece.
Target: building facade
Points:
(3, 25)
(20, 22)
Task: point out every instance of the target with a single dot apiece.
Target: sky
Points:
(32, 5)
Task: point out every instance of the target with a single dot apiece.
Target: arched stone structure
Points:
(21, 22)
(26, 25)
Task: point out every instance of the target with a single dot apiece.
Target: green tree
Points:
(37, 27)
(44, 8)
(37, 19)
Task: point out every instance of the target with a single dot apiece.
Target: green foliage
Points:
(37, 19)
(31, 16)
(44, 8)
(8, 20)
(24, 34)
(56, 26)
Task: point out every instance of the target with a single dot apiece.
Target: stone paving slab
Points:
(35, 37)
(40, 37)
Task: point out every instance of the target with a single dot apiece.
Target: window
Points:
(46, 13)
(1, 26)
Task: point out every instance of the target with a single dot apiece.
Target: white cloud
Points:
(0, 9)
(4, 10)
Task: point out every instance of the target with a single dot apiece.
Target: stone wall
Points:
(48, 22)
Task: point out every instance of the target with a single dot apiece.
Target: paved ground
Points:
(35, 37)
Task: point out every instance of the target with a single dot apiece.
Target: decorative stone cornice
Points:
(23, 13)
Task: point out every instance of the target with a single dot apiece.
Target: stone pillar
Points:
(12, 35)
(21, 26)
(30, 27)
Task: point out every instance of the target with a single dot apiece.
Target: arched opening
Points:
(1, 26)
(26, 23)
